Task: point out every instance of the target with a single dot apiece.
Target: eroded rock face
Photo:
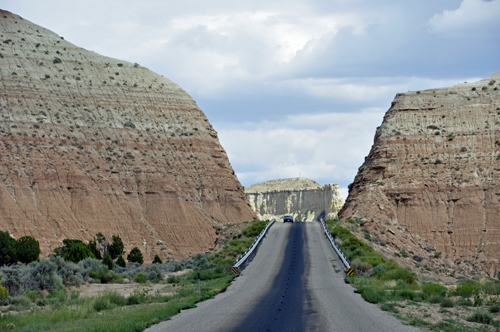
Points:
(93, 144)
(303, 198)
(434, 169)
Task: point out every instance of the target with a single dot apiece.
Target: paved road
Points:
(294, 283)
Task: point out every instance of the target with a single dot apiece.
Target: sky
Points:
(296, 87)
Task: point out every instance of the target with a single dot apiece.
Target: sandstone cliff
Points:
(93, 144)
(303, 198)
(432, 177)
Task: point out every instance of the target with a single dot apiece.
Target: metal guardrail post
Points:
(242, 258)
(338, 250)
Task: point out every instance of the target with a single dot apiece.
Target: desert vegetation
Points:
(470, 305)
(45, 293)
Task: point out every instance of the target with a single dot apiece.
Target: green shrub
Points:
(389, 307)
(20, 303)
(135, 255)
(157, 260)
(406, 294)
(4, 294)
(400, 273)
(101, 304)
(431, 289)
(141, 278)
(481, 317)
(45, 274)
(71, 273)
(78, 252)
(27, 249)
(372, 295)
(173, 280)
(108, 261)
(495, 308)
(435, 298)
(447, 303)
(135, 299)
(116, 247)
(60, 294)
(464, 291)
(255, 229)
(33, 295)
(121, 262)
(115, 298)
(8, 246)
(50, 301)
(465, 303)
(104, 276)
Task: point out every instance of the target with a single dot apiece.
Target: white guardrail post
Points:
(338, 250)
(241, 260)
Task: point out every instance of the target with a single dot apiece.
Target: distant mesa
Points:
(433, 178)
(303, 198)
(93, 144)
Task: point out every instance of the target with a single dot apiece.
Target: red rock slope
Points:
(94, 144)
(434, 168)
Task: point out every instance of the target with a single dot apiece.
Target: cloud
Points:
(473, 18)
(327, 147)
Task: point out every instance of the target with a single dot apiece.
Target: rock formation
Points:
(93, 144)
(303, 198)
(432, 176)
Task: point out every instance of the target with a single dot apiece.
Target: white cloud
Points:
(327, 148)
(471, 17)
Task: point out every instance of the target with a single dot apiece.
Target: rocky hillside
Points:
(303, 198)
(93, 144)
(432, 178)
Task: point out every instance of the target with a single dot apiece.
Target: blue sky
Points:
(296, 87)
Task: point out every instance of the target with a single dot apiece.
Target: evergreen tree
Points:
(135, 255)
(78, 252)
(116, 248)
(120, 261)
(157, 259)
(8, 246)
(107, 260)
(28, 249)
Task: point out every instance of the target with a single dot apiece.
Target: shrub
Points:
(28, 249)
(20, 303)
(115, 298)
(400, 273)
(91, 264)
(116, 248)
(157, 260)
(45, 275)
(8, 248)
(121, 262)
(435, 298)
(60, 294)
(372, 295)
(173, 280)
(389, 307)
(56, 60)
(33, 295)
(135, 255)
(47, 301)
(447, 303)
(4, 294)
(406, 294)
(255, 229)
(495, 308)
(100, 304)
(78, 252)
(104, 276)
(108, 261)
(464, 291)
(140, 278)
(431, 289)
(135, 299)
(465, 303)
(481, 317)
(16, 278)
(129, 124)
(71, 273)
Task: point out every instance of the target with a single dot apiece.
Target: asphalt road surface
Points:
(294, 283)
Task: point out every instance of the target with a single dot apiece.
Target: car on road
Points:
(287, 218)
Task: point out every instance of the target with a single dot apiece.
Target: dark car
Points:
(287, 218)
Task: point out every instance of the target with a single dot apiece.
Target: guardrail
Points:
(240, 261)
(338, 250)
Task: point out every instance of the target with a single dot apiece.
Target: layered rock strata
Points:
(303, 198)
(433, 176)
(93, 144)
